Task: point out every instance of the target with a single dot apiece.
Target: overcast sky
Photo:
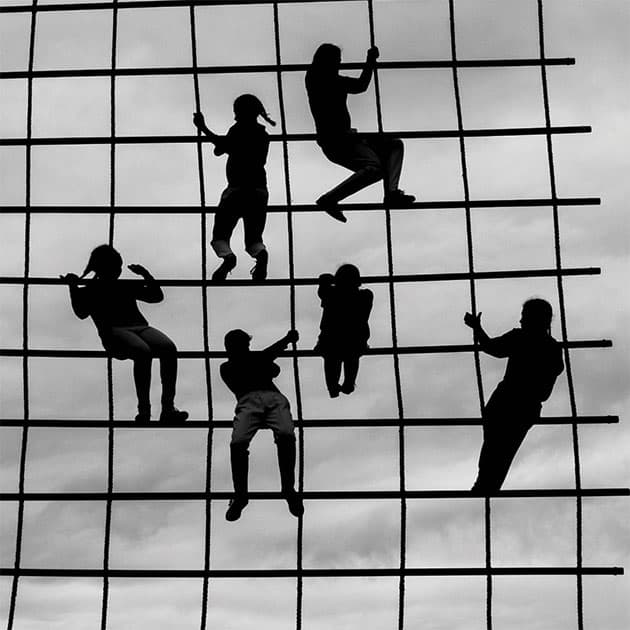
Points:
(352, 534)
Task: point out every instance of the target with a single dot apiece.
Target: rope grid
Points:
(400, 422)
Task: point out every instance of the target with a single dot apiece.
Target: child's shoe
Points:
(237, 505)
(330, 208)
(296, 506)
(398, 199)
(221, 273)
(173, 415)
(143, 417)
(259, 271)
(347, 388)
(333, 392)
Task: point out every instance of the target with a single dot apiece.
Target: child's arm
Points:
(77, 295)
(498, 347)
(218, 141)
(361, 84)
(151, 291)
(368, 302)
(276, 348)
(326, 281)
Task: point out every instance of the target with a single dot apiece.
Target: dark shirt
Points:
(327, 97)
(247, 146)
(534, 363)
(113, 303)
(251, 372)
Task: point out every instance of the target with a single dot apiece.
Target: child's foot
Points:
(143, 417)
(398, 199)
(296, 507)
(330, 208)
(221, 273)
(259, 271)
(347, 388)
(237, 505)
(333, 392)
(173, 415)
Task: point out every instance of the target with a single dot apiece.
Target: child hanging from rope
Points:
(124, 332)
(344, 326)
(246, 195)
(372, 158)
(534, 364)
(249, 375)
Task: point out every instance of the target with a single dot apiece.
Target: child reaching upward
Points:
(249, 375)
(534, 363)
(246, 196)
(124, 332)
(344, 326)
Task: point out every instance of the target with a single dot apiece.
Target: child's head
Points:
(236, 342)
(348, 277)
(105, 262)
(327, 59)
(536, 315)
(249, 107)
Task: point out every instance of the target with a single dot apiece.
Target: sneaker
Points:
(296, 506)
(221, 273)
(173, 415)
(398, 199)
(143, 417)
(333, 392)
(331, 209)
(259, 270)
(347, 388)
(235, 508)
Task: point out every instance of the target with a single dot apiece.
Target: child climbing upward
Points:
(344, 328)
(246, 196)
(249, 376)
(124, 332)
(534, 363)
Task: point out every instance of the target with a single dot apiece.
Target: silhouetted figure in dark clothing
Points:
(260, 405)
(246, 195)
(371, 158)
(344, 328)
(534, 363)
(124, 332)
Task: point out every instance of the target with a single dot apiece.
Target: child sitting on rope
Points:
(534, 364)
(246, 195)
(371, 158)
(344, 326)
(124, 332)
(249, 375)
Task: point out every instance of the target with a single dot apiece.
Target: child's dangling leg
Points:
(332, 372)
(225, 221)
(350, 371)
(254, 224)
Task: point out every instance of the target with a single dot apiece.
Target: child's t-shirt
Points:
(247, 146)
(254, 371)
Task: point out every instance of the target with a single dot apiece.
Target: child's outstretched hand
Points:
(372, 54)
(71, 279)
(326, 278)
(473, 321)
(139, 270)
(292, 336)
(199, 121)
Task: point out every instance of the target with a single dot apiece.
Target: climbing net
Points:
(402, 420)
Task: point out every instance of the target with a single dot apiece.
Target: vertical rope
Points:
(25, 303)
(296, 369)
(563, 322)
(395, 356)
(473, 294)
(205, 324)
(110, 376)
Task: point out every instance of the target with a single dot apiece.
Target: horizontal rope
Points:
(313, 573)
(310, 424)
(274, 68)
(294, 137)
(218, 354)
(403, 278)
(337, 495)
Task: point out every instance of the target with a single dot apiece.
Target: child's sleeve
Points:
(325, 285)
(501, 347)
(79, 298)
(149, 291)
(367, 301)
(222, 144)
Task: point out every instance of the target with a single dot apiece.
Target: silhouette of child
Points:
(249, 376)
(246, 195)
(124, 332)
(344, 326)
(371, 158)
(534, 364)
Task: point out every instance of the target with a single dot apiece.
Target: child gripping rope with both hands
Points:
(124, 332)
(246, 195)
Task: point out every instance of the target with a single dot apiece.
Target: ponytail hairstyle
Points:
(539, 313)
(250, 104)
(102, 258)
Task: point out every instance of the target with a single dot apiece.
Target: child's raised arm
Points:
(276, 348)
(151, 291)
(77, 295)
(498, 346)
(218, 141)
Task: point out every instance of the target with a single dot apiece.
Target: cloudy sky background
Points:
(354, 534)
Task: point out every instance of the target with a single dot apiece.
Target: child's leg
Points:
(161, 346)
(332, 372)
(225, 221)
(391, 152)
(254, 220)
(350, 371)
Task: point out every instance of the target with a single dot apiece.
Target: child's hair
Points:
(248, 103)
(101, 258)
(326, 56)
(348, 275)
(539, 311)
(235, 339)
